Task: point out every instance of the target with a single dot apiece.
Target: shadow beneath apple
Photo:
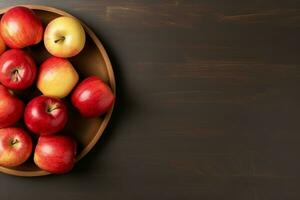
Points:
(123, 106)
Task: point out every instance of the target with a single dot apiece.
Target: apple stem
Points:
(51, 108)
(11, 92)
(60, 39)
(14, 141)
(15, 75)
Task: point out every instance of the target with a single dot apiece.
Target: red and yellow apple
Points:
(55, 153)
(57, 77)
(15, 146)
(45, 115)
(21, 27)
(64, 37)
(17, 69)
(11, 108)
(92, 97)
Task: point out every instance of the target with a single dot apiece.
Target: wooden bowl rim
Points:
(112, 83)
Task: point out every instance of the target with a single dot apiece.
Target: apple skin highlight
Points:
(64, 37)
(20, 27)
(57, 77)
(45, 115)
(92, 92)
(15, 146)
(55, 154)
(11, 108)
(17, 69)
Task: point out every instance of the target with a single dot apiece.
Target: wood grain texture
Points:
(208, 103)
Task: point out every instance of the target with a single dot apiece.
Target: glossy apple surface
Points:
(45, 115)
(11, 108)
(57, 77)
(92, 97)
(55, 154)
(21, 27)
(15, 146)
(64, 37)
(17, 69)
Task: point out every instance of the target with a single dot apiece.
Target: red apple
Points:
(15, 146)
(55, 153)
(21, 27)
(17, 69)
(45, 115)
(11, 108)
(92, 97)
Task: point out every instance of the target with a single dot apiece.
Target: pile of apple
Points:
(46, 115)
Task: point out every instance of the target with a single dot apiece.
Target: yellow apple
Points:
(57, 77)
(64, 37)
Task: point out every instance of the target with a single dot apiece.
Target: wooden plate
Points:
(93, 60)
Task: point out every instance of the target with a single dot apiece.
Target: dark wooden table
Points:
(208, 103)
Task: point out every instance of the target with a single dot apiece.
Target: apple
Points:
(57, 77)
(15, 146)
(64, 37)
(11, 108)
(45, 115)
(2, 45)
(17, 69)
(20, 27)
(92, 97)
(55, 153)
